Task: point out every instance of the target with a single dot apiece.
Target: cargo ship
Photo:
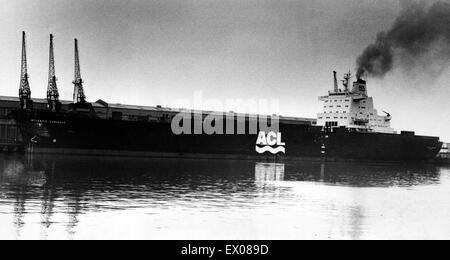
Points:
(349, 128)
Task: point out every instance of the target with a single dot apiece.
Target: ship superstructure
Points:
(352, 108)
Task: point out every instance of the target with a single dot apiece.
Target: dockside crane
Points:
(78, 92)
(24, 88)
(53, 102)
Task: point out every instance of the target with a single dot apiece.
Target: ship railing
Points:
(360, 120)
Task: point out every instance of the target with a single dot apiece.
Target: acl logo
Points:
(268, 141)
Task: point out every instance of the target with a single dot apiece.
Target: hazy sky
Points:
(154, 52)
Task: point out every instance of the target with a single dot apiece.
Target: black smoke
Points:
(420, 36)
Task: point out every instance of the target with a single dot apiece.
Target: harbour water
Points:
(67, 197)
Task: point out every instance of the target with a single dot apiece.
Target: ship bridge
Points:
(352, 108)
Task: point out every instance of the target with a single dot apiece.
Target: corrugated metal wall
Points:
(8, 133)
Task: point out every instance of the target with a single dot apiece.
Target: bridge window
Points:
(331, 124)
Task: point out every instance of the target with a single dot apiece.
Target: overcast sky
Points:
(154, 52)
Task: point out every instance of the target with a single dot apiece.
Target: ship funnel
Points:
(336, 89)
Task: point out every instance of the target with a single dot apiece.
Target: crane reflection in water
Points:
(61, 196)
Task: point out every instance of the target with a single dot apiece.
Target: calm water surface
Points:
(66, 197)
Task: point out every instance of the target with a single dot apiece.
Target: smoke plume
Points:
(419, 37)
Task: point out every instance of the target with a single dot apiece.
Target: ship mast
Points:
(78, 92)
(52, 90)
(24, 88)
(346, 81)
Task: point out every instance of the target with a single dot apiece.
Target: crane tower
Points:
(24, 88)
(52, 90)
(78, 92)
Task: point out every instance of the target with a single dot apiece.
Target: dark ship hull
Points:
(75, 133)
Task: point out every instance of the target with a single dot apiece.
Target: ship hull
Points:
(66, 133)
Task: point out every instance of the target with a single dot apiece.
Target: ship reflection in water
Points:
(48, 197)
